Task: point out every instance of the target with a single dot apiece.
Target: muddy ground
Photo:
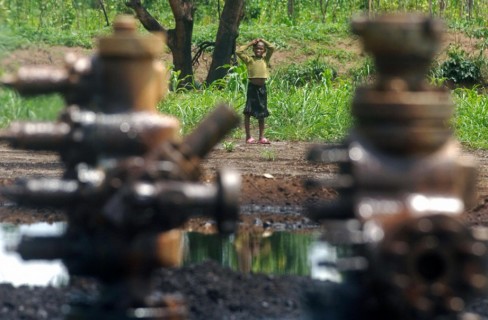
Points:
(272, 192)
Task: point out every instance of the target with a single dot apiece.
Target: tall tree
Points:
(180, 38)
(225, 43)
(470, 5)
(291, 8)
(323, 8)
(442, 7)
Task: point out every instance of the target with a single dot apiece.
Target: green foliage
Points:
(253, 10)
(315, 111)
(236, 79)
(47, 20)
(470, 121)
(39, 108)
(283, 34)
(312, 71)
(363, 72)
(268, 154)
(9, 41)
(229, 146)
(307, 101)
(279, 253)
(461, 68)
(311, 112)
(479, 33)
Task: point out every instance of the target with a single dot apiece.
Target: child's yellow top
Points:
(257, 67)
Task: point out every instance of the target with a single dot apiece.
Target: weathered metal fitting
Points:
(126, 73)
(402, 47)
(126, 43)
(146, 177)
(172, 203)
(410, 182)
(400, 44)
(132, 75)
(440, 173)
(96, 135)
(74, 81)
(435, 257)
(405, 122)
(379, 106)
(32, 80)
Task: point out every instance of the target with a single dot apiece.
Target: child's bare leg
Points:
(247, 126)
(261, 128)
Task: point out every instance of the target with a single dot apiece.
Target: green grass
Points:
(471, 121)
(10, 41)
(314, 111)
(311, 112)
(317, 112)
(13, 107)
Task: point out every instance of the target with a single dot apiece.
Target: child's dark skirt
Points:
(257, 101)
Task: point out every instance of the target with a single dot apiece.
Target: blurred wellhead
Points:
(403, 185)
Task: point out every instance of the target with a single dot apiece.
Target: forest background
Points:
(317, 66)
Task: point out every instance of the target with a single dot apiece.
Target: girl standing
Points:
(257, 97)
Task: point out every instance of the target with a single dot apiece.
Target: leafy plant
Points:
(470, 122)
(268, 154)
(237, 78)
(461, 68)
(229, 146)
(363, 72)
(10, 41)
(14, 107)
(313, 71)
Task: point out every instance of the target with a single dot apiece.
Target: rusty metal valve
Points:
(402, 186)
(130, 179)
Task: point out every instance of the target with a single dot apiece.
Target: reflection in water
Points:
(16, 271)
(277, 253)
(270, 253)
(323, 258)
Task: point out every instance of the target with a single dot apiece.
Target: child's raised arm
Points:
(270, 48)
(240, 51)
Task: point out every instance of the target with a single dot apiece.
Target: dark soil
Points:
(272, 190)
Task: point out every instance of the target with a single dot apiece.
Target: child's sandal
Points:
(264, 141)
(251, 141)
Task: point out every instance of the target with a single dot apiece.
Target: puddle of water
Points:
(14, 270)
(276, 253)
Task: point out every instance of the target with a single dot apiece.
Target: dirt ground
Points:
(273, 191)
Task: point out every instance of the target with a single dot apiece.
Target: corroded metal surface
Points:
(403, 184)
(130, 179)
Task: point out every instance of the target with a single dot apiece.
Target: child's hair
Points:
(256, 44)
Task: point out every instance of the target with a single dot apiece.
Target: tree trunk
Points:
(442, 7)
(323, 8)
(470, 8)
(183, 11)
(225, 43)
(147, 20)
(178, 39)
(291, 8)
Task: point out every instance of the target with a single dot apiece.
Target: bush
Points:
(461, 69)
(312, 71)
